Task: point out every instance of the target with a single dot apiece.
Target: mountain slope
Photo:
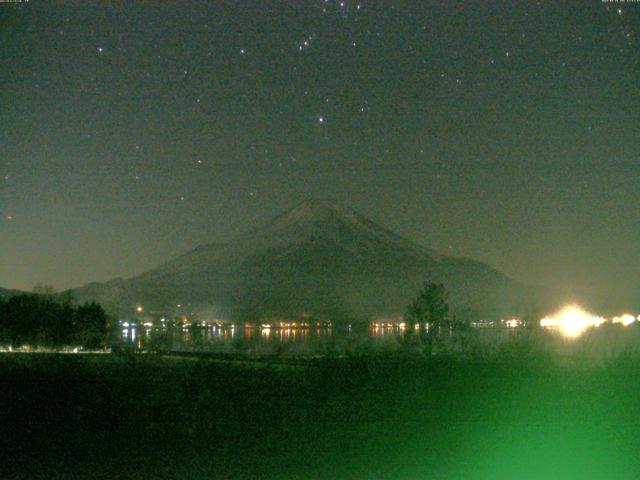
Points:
(319, 259)
(5, 294)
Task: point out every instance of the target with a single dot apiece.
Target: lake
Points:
(312, 339)
(598, 344)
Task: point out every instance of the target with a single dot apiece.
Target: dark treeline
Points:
(50, 320)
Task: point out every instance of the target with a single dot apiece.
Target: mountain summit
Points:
(318, 259)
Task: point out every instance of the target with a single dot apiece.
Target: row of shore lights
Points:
(571, 321)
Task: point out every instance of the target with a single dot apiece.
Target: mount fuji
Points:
(318, 259)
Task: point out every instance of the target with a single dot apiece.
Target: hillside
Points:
(5, 293)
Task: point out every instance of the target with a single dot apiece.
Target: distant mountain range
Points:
(318, 259)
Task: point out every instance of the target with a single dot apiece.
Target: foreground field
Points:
(144, 416)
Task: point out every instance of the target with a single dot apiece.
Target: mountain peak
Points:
(315, 209)
(324, 218)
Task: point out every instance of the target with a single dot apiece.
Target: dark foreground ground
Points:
(148, 417)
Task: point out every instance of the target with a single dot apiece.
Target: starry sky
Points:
(504, 131)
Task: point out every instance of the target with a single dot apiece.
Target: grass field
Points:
(148, 417)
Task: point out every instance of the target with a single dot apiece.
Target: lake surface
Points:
(601, 344)
(260, 340)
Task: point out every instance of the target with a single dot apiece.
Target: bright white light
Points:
(572, 321)
(513, 323)
(625, 320)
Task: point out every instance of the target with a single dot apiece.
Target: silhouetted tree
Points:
(66, 298)
(44, 320)
(430, 307)
(90, 325)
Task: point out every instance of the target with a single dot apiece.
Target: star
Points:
(320, 119)
(100, 49)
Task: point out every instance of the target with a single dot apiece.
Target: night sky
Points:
(508, 132)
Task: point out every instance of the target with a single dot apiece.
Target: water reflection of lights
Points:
(385, 329)
(284, 333)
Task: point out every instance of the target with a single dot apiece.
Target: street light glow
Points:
(572, 321)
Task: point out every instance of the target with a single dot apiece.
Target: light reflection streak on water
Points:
(388, 329)
(265, 332)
